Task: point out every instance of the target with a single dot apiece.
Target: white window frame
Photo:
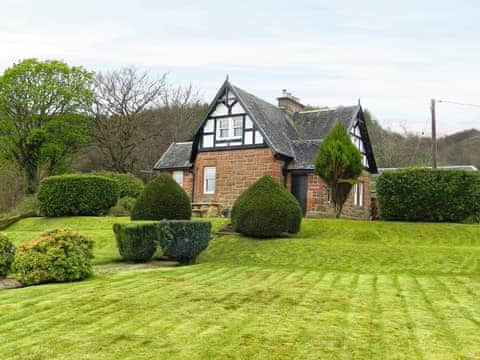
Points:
(177, 175)
(230, 121)
(209, 174)
(358, 189)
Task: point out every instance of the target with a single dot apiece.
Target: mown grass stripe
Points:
(429, 326)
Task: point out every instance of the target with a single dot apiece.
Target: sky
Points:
(392, 55)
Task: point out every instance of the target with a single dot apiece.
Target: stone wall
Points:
(236, 170)
(318, 205)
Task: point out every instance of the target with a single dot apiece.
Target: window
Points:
(358, 194)
(224, 128)
(237, 127)
(178, 177)
(328, 193)
(230, 128)
(209, 174)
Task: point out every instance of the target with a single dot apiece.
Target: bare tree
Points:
(120, 101)
(181, 106)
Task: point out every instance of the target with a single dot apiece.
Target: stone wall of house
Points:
(187, 181)
(318, 205)
(236, 170)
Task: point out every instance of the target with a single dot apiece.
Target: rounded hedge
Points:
(161, 199)
(129, 185)
(77, 194)
(136, 242)
(428, 195)
(7, 254)
(266, 209)
(56, 256)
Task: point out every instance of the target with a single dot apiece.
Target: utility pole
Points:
(434, 136)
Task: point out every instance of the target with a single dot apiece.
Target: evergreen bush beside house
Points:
(432, 195)
(58, 255)
(162, 199)
(7, 255)
(77, 194)
(266, 209)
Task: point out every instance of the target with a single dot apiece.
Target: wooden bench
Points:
(199, 212)
(202, 208)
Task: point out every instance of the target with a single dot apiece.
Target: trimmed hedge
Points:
(162, 199)
(77, 194)
(136, 242)
(266, 209)
(428, 195)
(7, 254)
(128, 184)
(56, 256)
(180, 240)
(183, 240)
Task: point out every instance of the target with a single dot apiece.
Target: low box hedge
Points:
(180, 240)
(136, 242)
(428, 195)
(77, 194)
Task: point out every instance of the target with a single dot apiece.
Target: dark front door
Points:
(299, 190)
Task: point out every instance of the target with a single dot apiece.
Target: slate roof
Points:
(177, 156)
(317, 124)
(305, 152)
(295, 136)
(277, 126)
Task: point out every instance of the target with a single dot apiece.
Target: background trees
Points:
(339, 164)
(42, 115)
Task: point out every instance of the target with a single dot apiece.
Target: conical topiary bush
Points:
(266, 209)
(161, 199)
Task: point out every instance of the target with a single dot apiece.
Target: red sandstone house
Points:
(244, 137)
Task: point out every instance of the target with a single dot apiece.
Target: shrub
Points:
(77, 194)
(183, 240)
(129, 185)
(180, 240)
(266, 209)
(56, 256)
(136, 242)
(162, 199)
(123, 207)
(7, 254)
(428, 195)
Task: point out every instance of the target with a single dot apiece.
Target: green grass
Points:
(339, 289)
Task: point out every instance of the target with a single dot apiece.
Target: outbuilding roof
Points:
(177, 156)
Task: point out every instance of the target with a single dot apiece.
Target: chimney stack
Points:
(288, 102)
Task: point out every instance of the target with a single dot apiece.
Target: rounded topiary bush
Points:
(77, 194)
(128, 184)
(161, 199)
(7, 254)
(266, 209)
(56, 256)
(136, 242)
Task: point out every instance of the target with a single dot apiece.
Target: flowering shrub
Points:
(56, 256)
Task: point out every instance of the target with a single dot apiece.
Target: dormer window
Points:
(230, 128)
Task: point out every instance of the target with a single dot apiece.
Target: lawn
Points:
(339, 289)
